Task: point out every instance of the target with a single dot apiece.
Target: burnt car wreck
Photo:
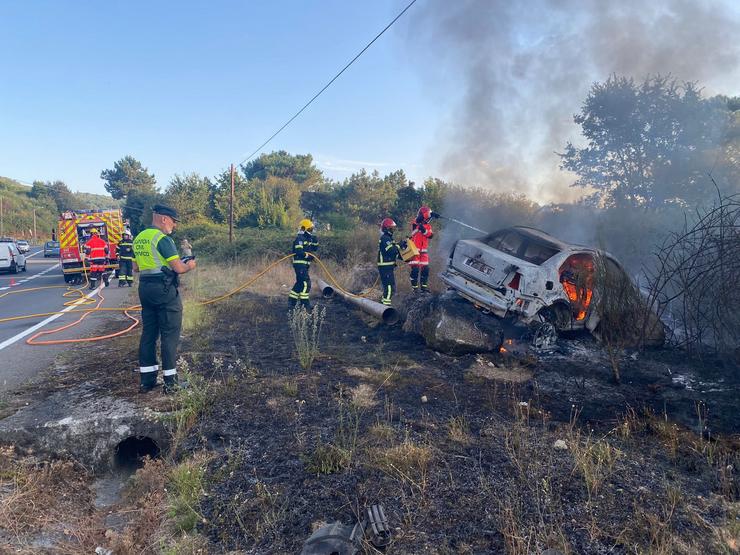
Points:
(526, 276)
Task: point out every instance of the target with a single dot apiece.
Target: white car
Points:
(529, 276)
(11, 259)
(23, 246)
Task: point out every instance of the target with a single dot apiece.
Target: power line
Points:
(298, 113)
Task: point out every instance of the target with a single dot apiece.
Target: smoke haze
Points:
(518, 71)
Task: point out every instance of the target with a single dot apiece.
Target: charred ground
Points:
(459, 450)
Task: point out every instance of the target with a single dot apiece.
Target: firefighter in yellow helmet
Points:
(304, 244)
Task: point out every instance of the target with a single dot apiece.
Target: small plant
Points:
(190, 403)
(305, 325)
(459, 429)
(595, 460)
(290, 388)
(185, 491)
(327, 458)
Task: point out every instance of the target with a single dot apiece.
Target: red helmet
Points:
(425, 212)
(388, 223)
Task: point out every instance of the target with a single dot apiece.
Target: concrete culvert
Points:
(130, 452)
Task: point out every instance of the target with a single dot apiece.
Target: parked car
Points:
(529, 276)
(51, 248)
(23, 246)
(11, 258)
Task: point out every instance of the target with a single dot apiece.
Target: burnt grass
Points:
(459, 450)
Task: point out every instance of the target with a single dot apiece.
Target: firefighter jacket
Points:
(304, 244)
(126, 249)
(420, 235)
(96, 248)
(388, 250)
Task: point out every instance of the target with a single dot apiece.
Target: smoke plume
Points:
(516, 72)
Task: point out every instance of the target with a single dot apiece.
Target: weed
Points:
(186, 489)
(327, 458)
(408, 462)
(382, 432)
(595, 460)
(305, 325)
(290, 388)
(190, 403)
(459, 429)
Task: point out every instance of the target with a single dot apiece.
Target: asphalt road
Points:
(20, 362)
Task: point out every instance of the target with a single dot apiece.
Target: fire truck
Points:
(75, 229)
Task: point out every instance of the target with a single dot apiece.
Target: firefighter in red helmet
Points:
(421, 232)
(388, 252)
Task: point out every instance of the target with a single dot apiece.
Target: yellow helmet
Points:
(94, 231)
(306, 224)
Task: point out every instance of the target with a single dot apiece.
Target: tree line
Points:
(656, 145)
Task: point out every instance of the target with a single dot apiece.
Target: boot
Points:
(130, 283)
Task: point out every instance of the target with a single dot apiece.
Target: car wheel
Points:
(544, 336)
(13, 268)
(25, 264)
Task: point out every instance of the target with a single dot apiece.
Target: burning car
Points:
(529, 276)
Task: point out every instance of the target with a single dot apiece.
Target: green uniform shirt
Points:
(153, 250)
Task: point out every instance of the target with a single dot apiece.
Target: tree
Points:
(138, 208)
(190, 195)
(367, 196)
(648, 145)
(299, 168)
(55, 191)
(128, 175)
(243, 203)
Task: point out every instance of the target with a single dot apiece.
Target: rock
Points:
(424, 399)
(452, 325)
(560, 445)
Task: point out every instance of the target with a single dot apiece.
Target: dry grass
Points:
(594, 459)
(38, 496)
(459, 429)
(408, 462)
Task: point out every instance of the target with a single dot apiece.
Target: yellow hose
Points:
(128, 309)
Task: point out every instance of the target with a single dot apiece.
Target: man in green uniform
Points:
(159, 266)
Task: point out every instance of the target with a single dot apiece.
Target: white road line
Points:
(34, 254)
(51, 318)
(34, 276)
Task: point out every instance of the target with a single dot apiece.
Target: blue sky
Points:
(194, 86)
(481, 92)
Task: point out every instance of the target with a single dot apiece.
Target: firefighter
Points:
(159, 266)
(388, 252)
(421, 232)
(304, 245)
(126, 261)
(96, 252)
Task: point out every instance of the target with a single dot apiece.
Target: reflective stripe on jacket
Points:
(303, 244)
(388, 250)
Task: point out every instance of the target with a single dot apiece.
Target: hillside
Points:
(18, 205)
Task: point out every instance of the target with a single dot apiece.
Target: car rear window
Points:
(524, 247)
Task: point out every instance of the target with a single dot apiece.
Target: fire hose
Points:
(87, 299)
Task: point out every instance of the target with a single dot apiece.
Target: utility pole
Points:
(34, 226)
(231, 207)
(2, 224)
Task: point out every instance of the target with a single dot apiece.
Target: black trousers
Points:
(302, 288)
(161, 318)
(419, 276)
(126, 270)
(388, 283)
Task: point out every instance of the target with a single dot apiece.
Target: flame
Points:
(580, 296)
(502, 349)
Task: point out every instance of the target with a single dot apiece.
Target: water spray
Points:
(463, 224)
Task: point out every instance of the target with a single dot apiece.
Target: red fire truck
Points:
(75, 229)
